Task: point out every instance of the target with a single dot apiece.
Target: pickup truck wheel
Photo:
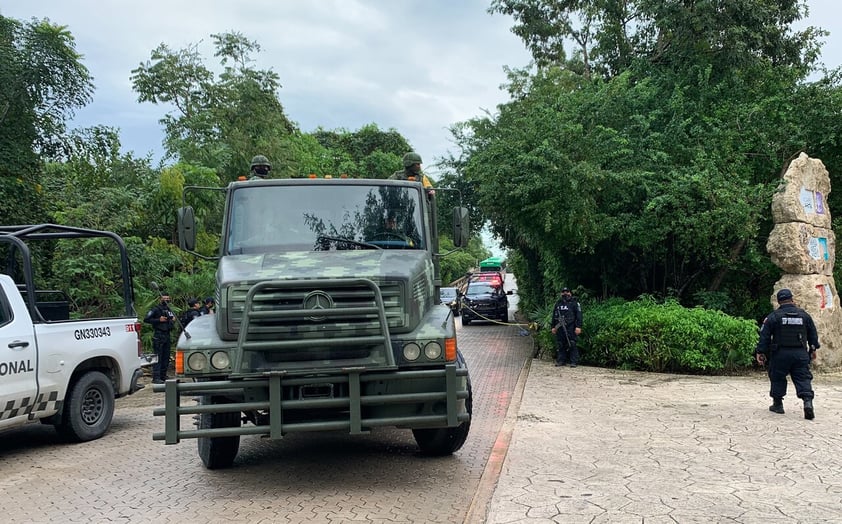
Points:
(88, 408)
(218, 452)
(466, 321)
(438, 442)
(505, 317)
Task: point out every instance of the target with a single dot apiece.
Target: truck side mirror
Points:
(461, 227)
(186, 228)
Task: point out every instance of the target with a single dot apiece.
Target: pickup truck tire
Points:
(88, 408)
(218, 452)
(505, 317)
(438, 442)
(466, 321)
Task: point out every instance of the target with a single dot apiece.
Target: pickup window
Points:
(5, 310)
(54, 305)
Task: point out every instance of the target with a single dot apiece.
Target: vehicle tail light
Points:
(137, 327)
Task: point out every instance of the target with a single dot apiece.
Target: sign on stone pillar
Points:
(803, 245)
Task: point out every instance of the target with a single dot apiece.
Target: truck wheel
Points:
(218, 452)
(465, 320)
(438, 442)
(505, 317)
(88, 408)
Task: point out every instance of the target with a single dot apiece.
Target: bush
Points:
(665, 337)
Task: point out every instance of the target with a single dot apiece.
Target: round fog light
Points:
(220, 360)
(197, 361)
(411, 351)
(432, 351)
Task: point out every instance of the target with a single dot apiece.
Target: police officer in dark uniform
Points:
(163, 321)
(788, 342)
(567, 326)
(193, 311)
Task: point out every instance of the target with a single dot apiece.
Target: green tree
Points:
(368, 152)
(655, 175)
(42, 83)
(218, 121)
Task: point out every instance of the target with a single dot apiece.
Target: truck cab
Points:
(328, 317)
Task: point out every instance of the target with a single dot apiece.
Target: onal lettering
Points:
(13, 368)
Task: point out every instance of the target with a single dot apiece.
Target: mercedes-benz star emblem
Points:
(317, 300)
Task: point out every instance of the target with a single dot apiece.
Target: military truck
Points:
(328, 318)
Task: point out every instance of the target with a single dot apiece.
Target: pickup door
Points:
(18, 358)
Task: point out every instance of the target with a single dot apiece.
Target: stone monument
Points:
(803, 245)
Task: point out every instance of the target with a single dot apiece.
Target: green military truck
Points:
(328, 318)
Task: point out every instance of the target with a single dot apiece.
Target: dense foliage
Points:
(645, 162)
(215, 125)
(646, 335)
(635, 157)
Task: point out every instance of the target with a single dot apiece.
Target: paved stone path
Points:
(595, 445)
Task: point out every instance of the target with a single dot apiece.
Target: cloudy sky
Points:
(414, 65)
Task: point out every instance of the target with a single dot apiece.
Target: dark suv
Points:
(485, 301)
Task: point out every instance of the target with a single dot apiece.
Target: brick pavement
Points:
(595, 445)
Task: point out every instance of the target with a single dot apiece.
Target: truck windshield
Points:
(476, 290)
(264, 219)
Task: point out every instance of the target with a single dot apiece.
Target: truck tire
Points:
(437, 442)
(465, 320)
(505, 317)
(218, 452)
(88, 408)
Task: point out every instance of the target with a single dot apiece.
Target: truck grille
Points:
(314, 323)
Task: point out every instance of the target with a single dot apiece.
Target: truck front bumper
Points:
(374, 399)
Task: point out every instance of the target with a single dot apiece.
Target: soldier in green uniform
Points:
(412, 170)
(260, 167)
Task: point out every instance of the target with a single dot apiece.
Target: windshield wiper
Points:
(322, 238)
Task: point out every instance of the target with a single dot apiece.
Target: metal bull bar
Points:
(353, 403)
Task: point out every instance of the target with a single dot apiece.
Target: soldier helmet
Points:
(260, 160)
(411, 158)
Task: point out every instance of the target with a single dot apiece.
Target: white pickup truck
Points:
(61, 371)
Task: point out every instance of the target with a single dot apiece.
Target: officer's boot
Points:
(777, 405)
(809, 414)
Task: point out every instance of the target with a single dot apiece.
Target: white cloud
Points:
(416, 65)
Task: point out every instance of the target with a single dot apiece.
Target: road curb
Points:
(478, 509)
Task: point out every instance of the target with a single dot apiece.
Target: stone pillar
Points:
(803, 245)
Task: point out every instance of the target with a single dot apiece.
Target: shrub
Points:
(665, 337)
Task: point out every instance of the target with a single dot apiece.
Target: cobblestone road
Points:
(329, 478)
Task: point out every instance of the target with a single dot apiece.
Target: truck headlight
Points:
(220, 360)
(432, 351)
(411, 351)
(197, 361)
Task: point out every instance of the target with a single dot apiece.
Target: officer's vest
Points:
(791, 331)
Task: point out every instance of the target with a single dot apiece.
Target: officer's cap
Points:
(784, 294)
(192, 302)
(565, 290)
